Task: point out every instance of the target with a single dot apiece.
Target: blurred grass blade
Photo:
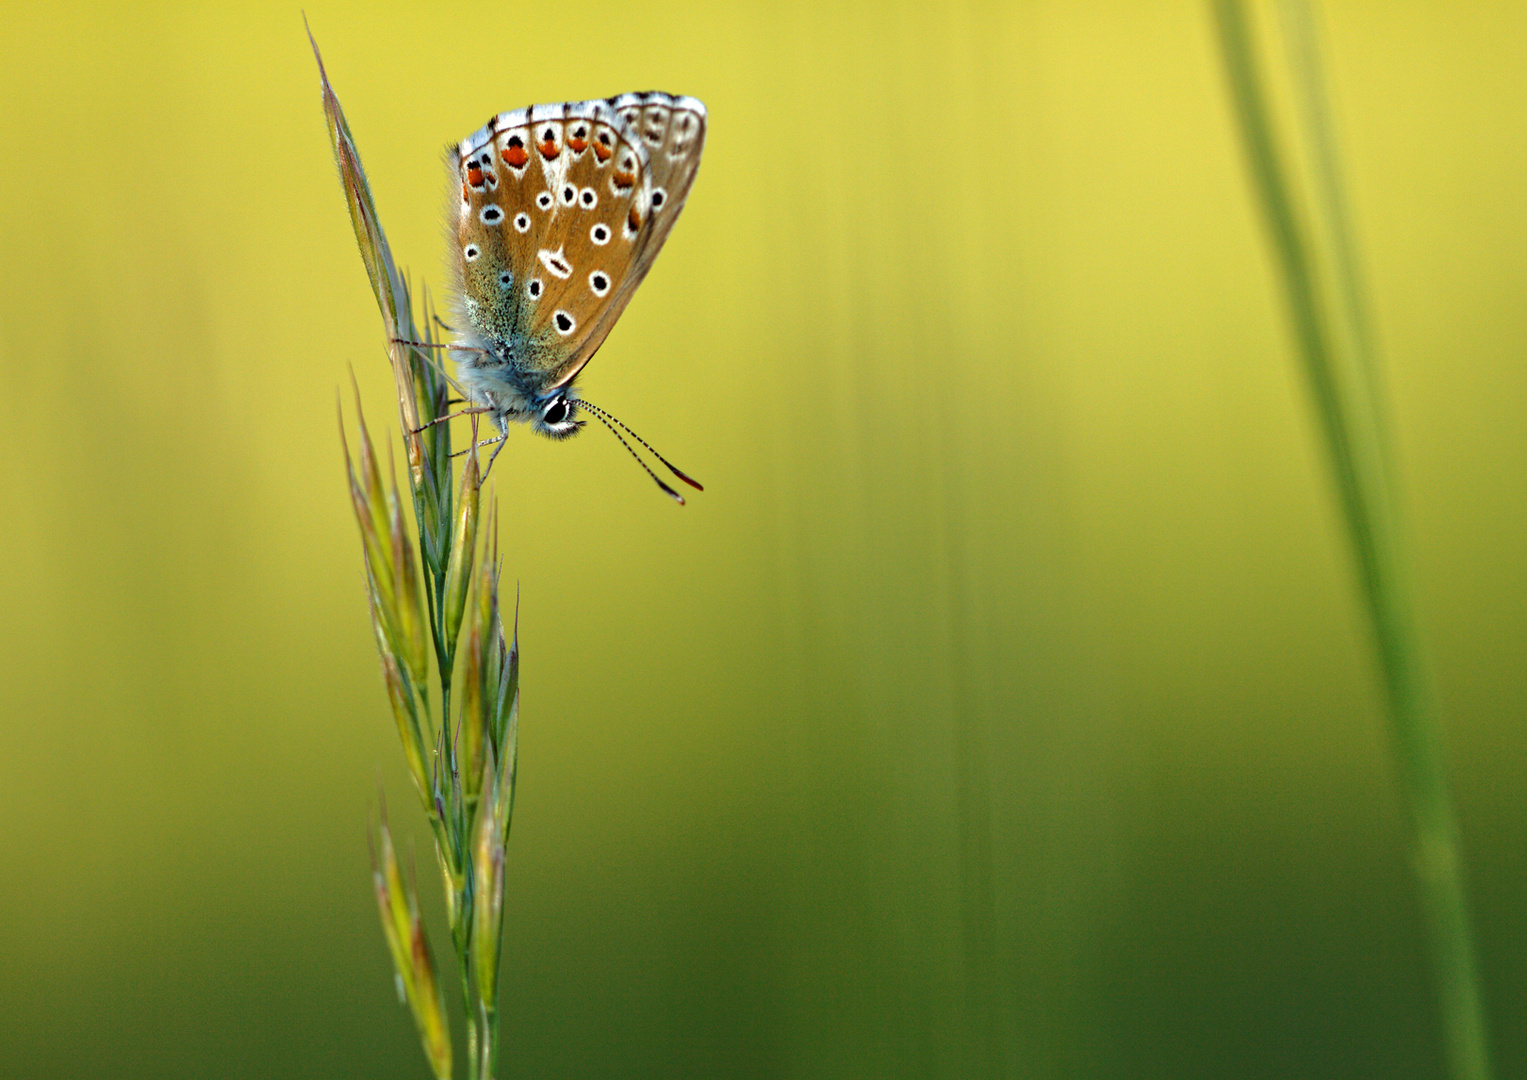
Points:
(1333, 345)
(1309, 83)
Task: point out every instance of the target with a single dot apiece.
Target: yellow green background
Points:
(1003, 707)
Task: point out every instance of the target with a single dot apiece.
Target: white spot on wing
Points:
(555, 262)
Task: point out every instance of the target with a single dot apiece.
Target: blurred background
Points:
(1003, 708)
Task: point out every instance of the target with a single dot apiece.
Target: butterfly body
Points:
(562, 210)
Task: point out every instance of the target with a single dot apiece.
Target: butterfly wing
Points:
(563, 209)
(502, 192)
(672, 132)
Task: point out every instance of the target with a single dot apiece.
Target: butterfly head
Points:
(553, 417)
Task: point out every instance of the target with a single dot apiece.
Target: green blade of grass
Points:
(1334, 345)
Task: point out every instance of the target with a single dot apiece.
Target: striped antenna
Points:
(609, 419)
(612, 423)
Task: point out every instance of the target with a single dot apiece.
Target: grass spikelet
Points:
(428, 583)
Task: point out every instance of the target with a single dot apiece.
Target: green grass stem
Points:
(1331, 329)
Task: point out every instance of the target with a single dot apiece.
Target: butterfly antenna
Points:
(656, 479)
(609, 419)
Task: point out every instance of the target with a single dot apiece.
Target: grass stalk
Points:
(1327, 313)
(462, 758)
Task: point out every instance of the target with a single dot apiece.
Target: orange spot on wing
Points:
(624, 180)
(514, 156)
(633, 220)
(466, 193)
(602, 152)
(474, 176)
(578, 145)
(548, 149)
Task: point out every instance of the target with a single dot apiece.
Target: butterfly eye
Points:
(555, 413)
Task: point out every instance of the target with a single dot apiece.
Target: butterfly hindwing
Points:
(490, 281)
(671, 132)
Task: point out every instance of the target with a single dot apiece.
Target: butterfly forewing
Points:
(581, 250)
(563, 209)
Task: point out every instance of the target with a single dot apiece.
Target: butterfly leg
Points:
(480, 445)
(440, 345)
(501, 440)
(432, 362)
(449, 416)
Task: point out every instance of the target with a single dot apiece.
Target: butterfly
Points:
(563, 209)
